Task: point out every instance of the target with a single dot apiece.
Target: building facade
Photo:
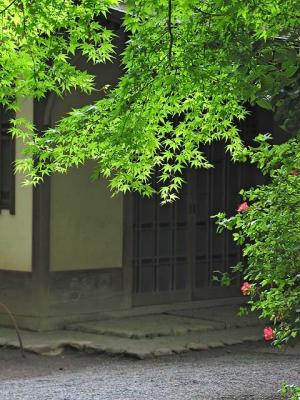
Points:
(70, 252)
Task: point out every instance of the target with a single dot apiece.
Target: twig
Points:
(24, 19)
(7, 7)
(170, 30)
(15, 326)
(210, 14)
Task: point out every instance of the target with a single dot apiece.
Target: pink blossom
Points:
(269, 333)
(243, 207)
(246, 288)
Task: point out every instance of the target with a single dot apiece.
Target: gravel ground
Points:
(235, 373)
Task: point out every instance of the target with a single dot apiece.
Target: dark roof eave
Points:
(117, 13)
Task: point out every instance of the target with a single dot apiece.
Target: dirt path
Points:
(238, 372)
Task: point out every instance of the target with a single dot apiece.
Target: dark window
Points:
(7, 157)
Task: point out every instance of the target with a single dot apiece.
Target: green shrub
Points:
(290, 392)
(267, 226)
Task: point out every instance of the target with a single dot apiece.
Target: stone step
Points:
(147, 326)
(54, 342)
(225, 313)
(170, 323)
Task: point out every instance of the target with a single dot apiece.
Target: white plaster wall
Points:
(86, 226)
(86, 223)
(16, 230)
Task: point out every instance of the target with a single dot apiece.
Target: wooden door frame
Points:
(128, 204)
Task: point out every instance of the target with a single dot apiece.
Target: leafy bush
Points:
(291, 392)
(267, 225)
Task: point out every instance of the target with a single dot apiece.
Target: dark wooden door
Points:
(161, 250)
(214, 190)
(176, 248)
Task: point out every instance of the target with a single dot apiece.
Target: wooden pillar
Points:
(40, 233)
(127, 248)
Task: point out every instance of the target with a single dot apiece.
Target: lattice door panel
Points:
(160, 249)
(215, 190)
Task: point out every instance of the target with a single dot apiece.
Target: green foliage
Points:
(291, 392)
(189, 69)
(269, 231)
(38, 39)
(224, 278)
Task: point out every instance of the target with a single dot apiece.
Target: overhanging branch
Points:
(7, 7)
(170, 30)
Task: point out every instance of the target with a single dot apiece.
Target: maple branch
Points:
(170, 30)
(7, 7)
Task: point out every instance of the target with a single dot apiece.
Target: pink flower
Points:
(294, 172)
(246, 288)
(269, 333)
(243, 207)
